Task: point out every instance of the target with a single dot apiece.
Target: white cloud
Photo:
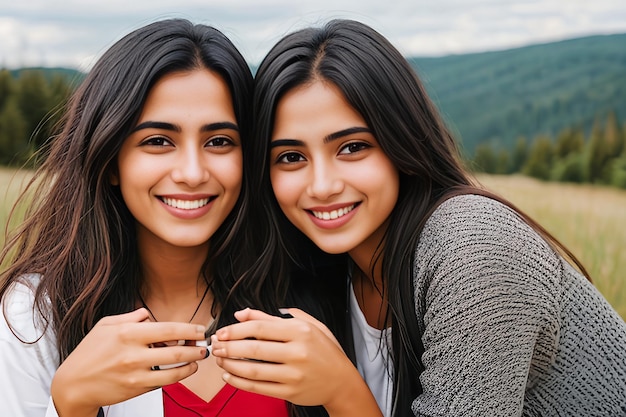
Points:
(73, 33)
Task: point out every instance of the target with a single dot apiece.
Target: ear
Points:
(114, 177)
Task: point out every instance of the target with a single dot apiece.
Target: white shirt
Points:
(26, 369)
(371, 349)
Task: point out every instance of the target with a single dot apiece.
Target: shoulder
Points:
(20, 317)
(472, 212)
(473, 244)
(474, 223)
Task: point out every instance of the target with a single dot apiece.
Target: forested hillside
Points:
(499, 96)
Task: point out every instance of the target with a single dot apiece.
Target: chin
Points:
(333, 249)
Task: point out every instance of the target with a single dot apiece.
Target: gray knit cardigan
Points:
(509, 327)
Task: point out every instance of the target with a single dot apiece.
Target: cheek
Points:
(285, 186)
(228, 171)
(139, 175)
(380, 181)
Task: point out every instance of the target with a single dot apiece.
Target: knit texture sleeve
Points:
(487, 301)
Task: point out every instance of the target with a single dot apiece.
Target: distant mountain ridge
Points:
(539, 89)
(71, 74)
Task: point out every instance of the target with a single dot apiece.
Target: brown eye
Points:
(354, 147)
(290, 158)
(156, 141)
(220, 141)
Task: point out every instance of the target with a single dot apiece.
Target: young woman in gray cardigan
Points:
(458, 304)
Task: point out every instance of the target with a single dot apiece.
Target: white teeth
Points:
(185, 204)
(335, 214)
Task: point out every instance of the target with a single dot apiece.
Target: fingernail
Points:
(284, 310)
(206, 353)
(200, 329)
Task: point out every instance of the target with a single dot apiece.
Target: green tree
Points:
(485, 159)
(596, 153)
(14, 146)
(540, 158)
(520, 154)
(613, 137)
(569, 169)
(503, 162)
(605, 144)
(59, 91)
(618, 174)
(569, 141)
(32, 101)
(6, 87)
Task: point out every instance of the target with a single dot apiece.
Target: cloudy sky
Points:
(73, 33)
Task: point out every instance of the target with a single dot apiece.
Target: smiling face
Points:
(180, 170)
(330, 176)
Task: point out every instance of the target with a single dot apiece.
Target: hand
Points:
(113, 362)
(296, 359)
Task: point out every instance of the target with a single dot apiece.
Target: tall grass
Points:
(588, 220)
(11, 183)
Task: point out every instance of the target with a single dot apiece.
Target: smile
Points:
(334, 214)
(185, 204)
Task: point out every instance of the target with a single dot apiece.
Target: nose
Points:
(325, 182)
(191, 167)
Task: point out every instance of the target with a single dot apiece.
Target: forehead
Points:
(180, 92)
(314, 109)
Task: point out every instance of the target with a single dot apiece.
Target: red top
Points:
(179, 401)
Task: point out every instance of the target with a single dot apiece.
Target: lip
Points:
(333, 223)
(188, 213)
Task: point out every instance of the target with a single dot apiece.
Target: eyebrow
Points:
(327, 139)
(346, 132)
(175, 128)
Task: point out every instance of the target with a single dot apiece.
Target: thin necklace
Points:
(144, 305)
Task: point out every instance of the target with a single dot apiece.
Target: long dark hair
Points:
(380, 84)
(78, 234)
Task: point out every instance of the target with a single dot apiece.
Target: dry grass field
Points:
(11, 182)
(589, 220)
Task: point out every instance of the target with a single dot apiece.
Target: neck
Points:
(363, 258)
(173, 283)
(369, 286)
(367, 252)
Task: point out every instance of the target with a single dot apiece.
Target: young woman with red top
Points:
(138, 238)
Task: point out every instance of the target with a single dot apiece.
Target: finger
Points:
(298, 314)
(174, 356)
(159, 378)
(252, 314)
(267, 388)
(258, 371)
(135, 316)
(301, 315)
(159, 332)
(276, 329)
(257, 350)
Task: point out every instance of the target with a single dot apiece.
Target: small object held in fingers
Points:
(285, 315)
(199, 343)
(207, 335)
